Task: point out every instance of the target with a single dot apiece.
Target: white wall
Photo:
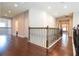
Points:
(20, 23)
(75, 18)
(51, 21)
(39, 18)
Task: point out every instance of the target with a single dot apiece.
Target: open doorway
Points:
(65, 23)
(64, 27)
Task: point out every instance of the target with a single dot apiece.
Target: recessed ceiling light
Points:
(49, 7)
(65, 6)
(15, 5)
(9, 11)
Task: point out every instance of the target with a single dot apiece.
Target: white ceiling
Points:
(57, 8)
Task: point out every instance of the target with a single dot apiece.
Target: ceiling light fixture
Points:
(49, 7)
(15, 5)
(65, 6)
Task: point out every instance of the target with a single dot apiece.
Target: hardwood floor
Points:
(21, 47)
(15, 46)
(63, 47)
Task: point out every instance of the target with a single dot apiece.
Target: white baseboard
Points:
(54, 43)
(74, 50)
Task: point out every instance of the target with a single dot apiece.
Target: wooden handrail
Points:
(41, 28)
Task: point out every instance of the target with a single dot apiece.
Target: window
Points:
(64, 27)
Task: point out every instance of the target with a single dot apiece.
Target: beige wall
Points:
(20, 23)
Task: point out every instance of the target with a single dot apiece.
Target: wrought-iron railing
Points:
(44, 33)
(43, 36)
